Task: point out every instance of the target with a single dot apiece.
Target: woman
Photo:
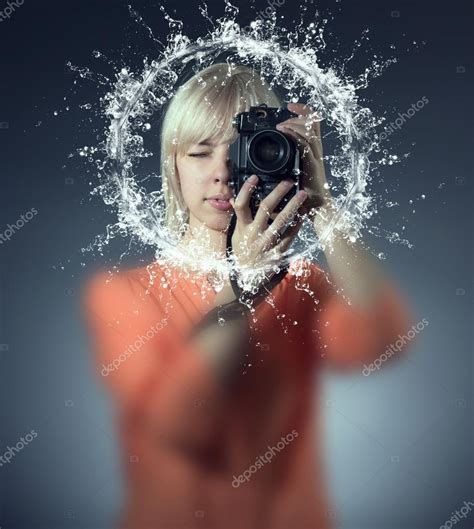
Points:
(221, 431)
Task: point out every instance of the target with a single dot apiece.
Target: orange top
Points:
(197, 455)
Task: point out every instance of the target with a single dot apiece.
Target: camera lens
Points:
(268, 151)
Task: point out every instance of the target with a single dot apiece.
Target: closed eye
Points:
(198, 154)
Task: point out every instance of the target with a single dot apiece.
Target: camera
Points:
(263, 150)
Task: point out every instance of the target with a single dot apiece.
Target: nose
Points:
(222, 168)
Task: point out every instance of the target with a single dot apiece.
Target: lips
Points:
(222, 205)
(220, 196)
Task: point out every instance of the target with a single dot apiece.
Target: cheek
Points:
(191, 182)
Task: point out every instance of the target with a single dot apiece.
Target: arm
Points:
(354, 330)
(180, 385)
(196, 371)
(224, 346)
(163, 378)
(353, 270)
(371, 315)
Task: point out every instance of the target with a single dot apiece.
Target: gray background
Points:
(399, 442)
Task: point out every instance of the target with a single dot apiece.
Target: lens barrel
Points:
(269, 151)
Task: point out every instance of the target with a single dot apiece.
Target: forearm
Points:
(377, 315)
(192, 398)
(353, 269)
(224, 345)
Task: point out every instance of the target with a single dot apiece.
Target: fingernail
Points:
(253, 178)
(302, 194)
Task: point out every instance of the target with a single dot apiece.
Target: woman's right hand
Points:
(253, 238)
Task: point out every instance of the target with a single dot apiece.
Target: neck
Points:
(210, 241)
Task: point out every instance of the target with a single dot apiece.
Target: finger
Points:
(309, 120)
(275, 254)
(304, 111)
(289, 235)
(273, 233)
(299, 108)
(241, 204)
(308, 133)
(270, 202)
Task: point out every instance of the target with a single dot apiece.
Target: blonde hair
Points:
(203, 109)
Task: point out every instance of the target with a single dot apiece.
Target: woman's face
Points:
(204, 172)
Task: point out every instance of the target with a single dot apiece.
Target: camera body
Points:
(263, 150)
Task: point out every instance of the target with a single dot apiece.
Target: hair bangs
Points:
(203, 109)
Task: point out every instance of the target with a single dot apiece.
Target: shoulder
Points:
(110, 293)
(106, 288)
(122, 319)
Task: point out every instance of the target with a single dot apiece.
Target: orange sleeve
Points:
(143, 358)
(124, 354)
(349, 336)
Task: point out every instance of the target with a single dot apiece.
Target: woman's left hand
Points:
(306, 132)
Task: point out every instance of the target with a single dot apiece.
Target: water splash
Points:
(286, 58)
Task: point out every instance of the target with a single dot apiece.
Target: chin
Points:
(216, 221)
(219, 224)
